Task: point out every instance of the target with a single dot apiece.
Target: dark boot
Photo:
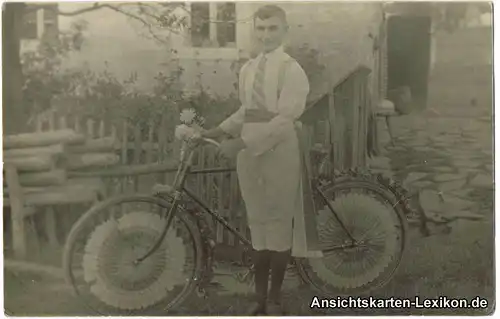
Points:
(262, 264)
(279, 263)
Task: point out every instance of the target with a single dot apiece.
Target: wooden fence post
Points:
(17, 211)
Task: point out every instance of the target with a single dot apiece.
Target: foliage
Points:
(449, 16)
(84, 93)
(44, 78)
(100, 95)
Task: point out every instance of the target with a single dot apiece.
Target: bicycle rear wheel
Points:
(100, 251)
(373, 215)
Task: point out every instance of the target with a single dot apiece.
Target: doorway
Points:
(408, 55)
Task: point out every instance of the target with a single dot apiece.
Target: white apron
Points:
(270, 170)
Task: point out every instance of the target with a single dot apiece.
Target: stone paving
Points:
(444, 153)
(447, 160)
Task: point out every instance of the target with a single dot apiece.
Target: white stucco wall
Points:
(338, 30)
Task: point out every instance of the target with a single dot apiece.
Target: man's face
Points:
(270, 33)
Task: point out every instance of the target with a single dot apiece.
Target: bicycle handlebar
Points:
(210, 141)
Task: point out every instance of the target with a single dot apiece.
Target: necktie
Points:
(258, 95)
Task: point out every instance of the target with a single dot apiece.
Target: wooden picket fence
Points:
(338, 121)
(219, 190)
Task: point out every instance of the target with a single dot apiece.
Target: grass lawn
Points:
(456, 265)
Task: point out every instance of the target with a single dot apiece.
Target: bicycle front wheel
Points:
(100, 254)
(371, 214)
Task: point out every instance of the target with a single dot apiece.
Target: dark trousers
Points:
(267, 263)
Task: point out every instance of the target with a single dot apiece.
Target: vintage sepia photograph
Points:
(241, 158)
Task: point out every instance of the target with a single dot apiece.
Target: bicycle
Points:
(149, 279)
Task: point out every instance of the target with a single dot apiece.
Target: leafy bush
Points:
(87, 94)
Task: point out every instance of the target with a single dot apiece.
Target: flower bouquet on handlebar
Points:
(135, 253)
(191, 134)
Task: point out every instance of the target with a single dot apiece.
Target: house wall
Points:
(326, 27)
(339, 31)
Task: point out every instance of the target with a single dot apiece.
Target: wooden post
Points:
(38, 125)
(78, 126)
(63, 122)
(137, 153)
(124, 154)
(355, 120)
(51, 226)
(39, 139)
(17, 211)
(366, 104)
(332, 121)
(149, 150)
(90, 128)
(102, 130)
(162, 146)
(52, 121)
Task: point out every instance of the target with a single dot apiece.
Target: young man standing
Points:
(273, 91)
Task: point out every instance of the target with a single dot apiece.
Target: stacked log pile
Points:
(36, 170)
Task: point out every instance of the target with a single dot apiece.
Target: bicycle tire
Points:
(401, 209)
(183, 216)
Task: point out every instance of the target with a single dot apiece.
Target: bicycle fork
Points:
(180, 178)
(170, 218)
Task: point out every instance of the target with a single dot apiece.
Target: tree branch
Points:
(98, 6)
(95, 6)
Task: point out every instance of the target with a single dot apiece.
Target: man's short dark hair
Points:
(270, 11)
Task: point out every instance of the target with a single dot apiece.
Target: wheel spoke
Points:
(373, 219)
(108, 281)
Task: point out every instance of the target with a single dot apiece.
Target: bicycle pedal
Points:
(202, 292)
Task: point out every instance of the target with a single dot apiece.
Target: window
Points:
(42, 22)
(30, 28)
(213, 25)
(50, 18)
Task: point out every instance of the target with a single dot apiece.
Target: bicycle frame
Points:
(187, 151)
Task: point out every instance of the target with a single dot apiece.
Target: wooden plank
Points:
(32, 233)
(221, 194)
(124, 157)
(67, 195)
(78, 125)
(52, 120)
(200, 185)
(16, 201)
(356, 105)
(114, 134)
(63, 122)
(162, 146)
(56, 149)
(104, 144)
(93, 183)
(23, 266)
(365, 102)
(341, 130)
(332, 125)
(38, 124)
(102, 131)
(149, 147)
(90, 128)
(233, 207)
(137, 154)
(53, 177)
(81, 161)
(128, 170)
(51, 227)
(42, 139)
(214, 188)
(31, 164)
